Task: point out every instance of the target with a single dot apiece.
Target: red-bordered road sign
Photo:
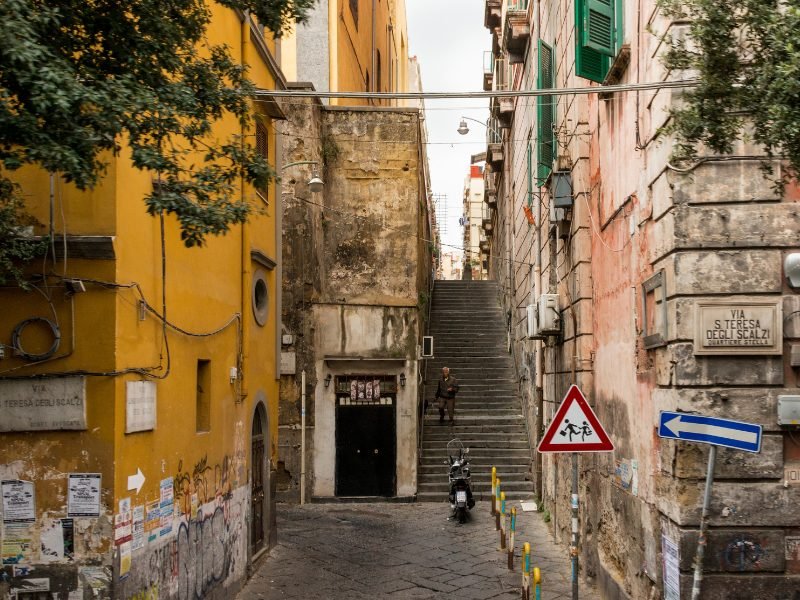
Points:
(575, 427)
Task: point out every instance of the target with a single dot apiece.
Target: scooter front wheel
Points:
(461, 514)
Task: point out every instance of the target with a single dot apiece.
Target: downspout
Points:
(333, 50)
(245, 249)
(374, 74)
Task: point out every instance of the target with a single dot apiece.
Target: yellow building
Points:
(139, 384)
(351, 46)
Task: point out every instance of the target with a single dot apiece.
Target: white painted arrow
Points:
(135, 482)
(676, 425)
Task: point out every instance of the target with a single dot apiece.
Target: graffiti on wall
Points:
(205, 549)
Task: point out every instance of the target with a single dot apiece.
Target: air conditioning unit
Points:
(548, 315)
(533, 328)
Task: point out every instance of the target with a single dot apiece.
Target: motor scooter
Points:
(460, 494)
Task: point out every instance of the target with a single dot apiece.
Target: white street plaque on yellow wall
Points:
(43, 404)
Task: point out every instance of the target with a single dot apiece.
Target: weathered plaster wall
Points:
(355, 277)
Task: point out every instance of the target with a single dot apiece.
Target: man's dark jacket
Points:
(441, 391)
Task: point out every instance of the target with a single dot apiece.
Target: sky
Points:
(448, 38)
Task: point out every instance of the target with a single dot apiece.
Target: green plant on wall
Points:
(746, 56)
(330, 150)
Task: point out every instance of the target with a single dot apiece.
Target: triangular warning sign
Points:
(575, 427)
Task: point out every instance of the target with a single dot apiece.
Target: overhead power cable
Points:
(604, 89)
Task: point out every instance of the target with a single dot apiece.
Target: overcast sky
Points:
(448, 38)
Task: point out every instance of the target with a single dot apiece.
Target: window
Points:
(354, 11)
(545, 115)
(530, 173)
(598, 36)
(203, 397)
(260, 297)
(262, 148)
(366, 389)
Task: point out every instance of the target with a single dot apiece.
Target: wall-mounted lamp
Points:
(315, 184)
(402, 380)
(328, 378)
(791, 269)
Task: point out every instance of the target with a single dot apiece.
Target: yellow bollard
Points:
(526, 571)
(537, 582)
(511, 539)
(494, 483)
(497, 505)
(503, 521)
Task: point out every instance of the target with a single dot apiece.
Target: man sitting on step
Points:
(446, 395)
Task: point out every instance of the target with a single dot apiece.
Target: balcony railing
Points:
(493, 135)
(502, 76)
(488, 70)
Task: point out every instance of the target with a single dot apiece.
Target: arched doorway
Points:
(259, 487)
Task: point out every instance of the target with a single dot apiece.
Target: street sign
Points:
(710, 430)
(575, 427)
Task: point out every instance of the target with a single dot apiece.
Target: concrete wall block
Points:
(753, 587)
(722, 272)
(677, 365)
(753, 405)
(661, 195)
(732, 181)
(733, 503)
(688, 461)
(583, 315)
(735, 550)
(736, 226)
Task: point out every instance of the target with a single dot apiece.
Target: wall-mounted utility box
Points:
(427, 346)
(789, 410)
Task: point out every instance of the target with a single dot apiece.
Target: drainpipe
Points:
(245, 250)
(303, 437)
(374, 74)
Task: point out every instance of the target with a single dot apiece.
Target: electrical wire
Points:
(605, 89)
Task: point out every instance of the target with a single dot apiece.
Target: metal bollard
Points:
(511, 539)
(537, 582)
(494, 483)
(526, 571)
(503, 521)
(497, 505)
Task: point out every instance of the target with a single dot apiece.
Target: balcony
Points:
(493, 14)
(494, 147)
(486, 222)
(488, 71)
(502, 107)
(516, 30)
(489, 189)
(484, 246)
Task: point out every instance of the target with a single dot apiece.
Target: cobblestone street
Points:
(399, 551)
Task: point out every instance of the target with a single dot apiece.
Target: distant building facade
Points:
(476, 225)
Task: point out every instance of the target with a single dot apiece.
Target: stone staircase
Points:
(470, 338)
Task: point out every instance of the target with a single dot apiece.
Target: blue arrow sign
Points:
(710, 430)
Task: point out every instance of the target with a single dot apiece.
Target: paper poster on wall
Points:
(19, 502)
(51, 539)
(17, 546)
(83, 494)
(138, 527)
(672, 573)
(124, 559)
(152, 521)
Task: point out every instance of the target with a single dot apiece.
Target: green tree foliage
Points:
(747, 57)
(78, 79)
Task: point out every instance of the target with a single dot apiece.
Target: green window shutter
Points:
(545, 114)
(599, 26)
(589, 63)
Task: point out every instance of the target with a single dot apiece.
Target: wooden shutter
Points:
(545, 114)
(262, 148)
(599, 30)
(589, 63)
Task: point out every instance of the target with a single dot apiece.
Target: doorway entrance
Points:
(365, 436)
(258, 479)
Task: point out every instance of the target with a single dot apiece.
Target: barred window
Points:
(262, 148)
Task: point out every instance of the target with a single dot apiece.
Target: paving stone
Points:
(402, 551)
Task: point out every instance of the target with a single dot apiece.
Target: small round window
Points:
(260, 297)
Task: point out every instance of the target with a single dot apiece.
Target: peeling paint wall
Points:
(642, 246)
(356, 277)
